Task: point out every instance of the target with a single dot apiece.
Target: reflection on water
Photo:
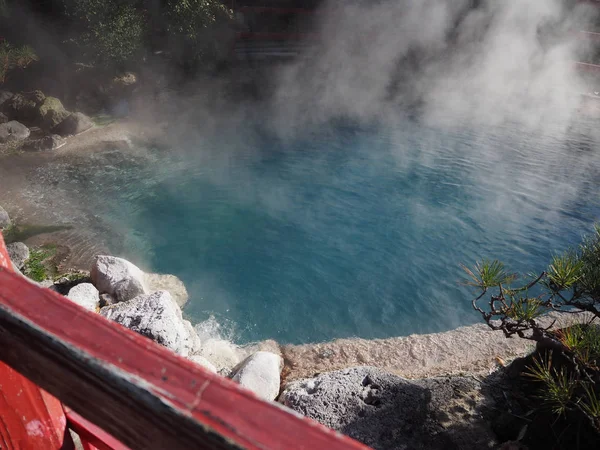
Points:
(346, 232)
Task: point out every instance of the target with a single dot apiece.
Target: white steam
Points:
(502, 60)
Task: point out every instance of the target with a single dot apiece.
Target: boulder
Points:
(18, 253)
(51, 112)
(118, 277)
(154, 316)
(50, 142)
(86, 295)
(261, 373)
(160, 282)
(13, 131)
(223, 354)
(385, 411)
(4, 219)
(74, 124)
(24, 107)
(5, 95)
(193, 341)
(107, 299)
(4, 118)
(128, 288)
(202, 361)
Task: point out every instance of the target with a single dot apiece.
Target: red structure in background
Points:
(64, 367)
(268, 30)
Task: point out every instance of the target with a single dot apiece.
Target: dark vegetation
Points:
(556, 400)
(112, 35)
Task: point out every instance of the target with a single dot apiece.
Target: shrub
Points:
(193, 22)
(14, 58)
(110, 31)
(571, 283)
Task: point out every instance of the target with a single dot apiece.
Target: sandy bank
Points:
(474, 350)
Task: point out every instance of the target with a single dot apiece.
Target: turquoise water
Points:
(347, 231)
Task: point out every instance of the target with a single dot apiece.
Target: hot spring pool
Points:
(347, 231)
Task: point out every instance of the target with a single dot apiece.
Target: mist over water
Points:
(411, 136)
(350, 231)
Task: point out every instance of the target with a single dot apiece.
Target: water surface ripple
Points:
(347, 232)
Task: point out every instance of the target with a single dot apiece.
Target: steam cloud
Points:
(498, 61)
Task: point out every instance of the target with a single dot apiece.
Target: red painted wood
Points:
(275, 10)
(30, 418)
(256, 36)
(4, 259)
(587, 66)
(92, 437)
(216, 403)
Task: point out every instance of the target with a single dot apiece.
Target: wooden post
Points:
(30, 418)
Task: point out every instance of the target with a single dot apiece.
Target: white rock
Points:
(118, 277)
(4, 219)
(202, 361)
(160, 282)
(261, 373)
(86, 295)
(18, 253)
(223, 354)
(193, 341)
(155, 316)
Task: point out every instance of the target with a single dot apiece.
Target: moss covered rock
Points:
(74, 124)
(52, 112)
(24, 106)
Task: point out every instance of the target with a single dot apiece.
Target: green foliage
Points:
(12, 57)
(525, 308)
(487, 274)
(559, 387)
(589, 254)
(112, 31)
(583, 340)
(590, 404)
(572, 281)
(565, 270)
(192, 20)
(35, 267)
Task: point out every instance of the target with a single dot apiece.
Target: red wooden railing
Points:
(64, 367)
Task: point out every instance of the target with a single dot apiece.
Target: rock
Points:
(107, 300)
(5, 95)
(4, 219)
(154, 316)
(385, 411)
(200, 360)
(261, 373)
(13, 131)
(125, 79)
(268, 345)
(160, 282)
(18, 253)
(74, 124)
(51, 113)
(221, 353)
(50, 142)
(24, 107)
(69, 280)
(193, 341)
(45, 283)
(3, 118)
(118, 277)
(86, 295)
(128, 288)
